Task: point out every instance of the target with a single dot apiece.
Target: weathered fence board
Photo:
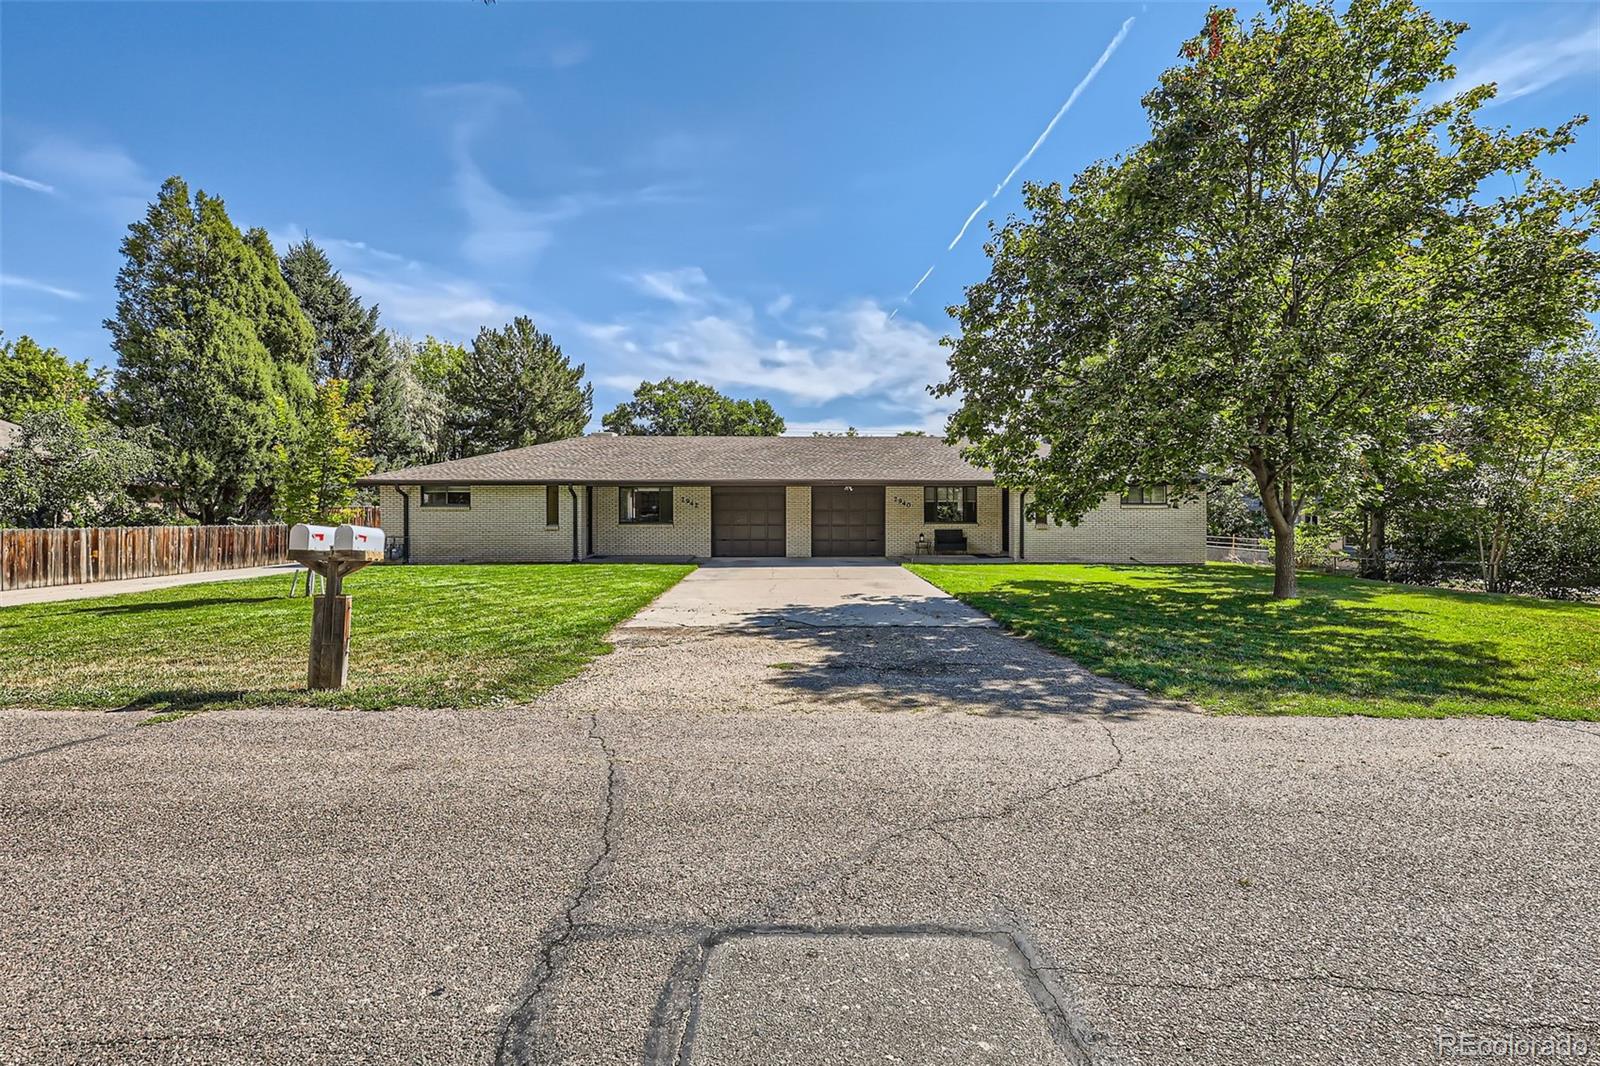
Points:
(35, 558)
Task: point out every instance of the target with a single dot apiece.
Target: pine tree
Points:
(515, 388)
(215, 354)
(352, 346)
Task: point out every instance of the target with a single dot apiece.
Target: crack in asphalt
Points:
(846, 870)
(521, 1025)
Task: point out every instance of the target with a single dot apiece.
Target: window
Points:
(949, 503)
(552, 505)
(1144, 496)
(442, 496)
(645, 504)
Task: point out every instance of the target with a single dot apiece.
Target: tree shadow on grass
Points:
(175, 605)
(1219, 636)
(168, 704)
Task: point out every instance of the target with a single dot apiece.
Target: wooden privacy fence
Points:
(34, 558)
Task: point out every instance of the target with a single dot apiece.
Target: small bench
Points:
(949, 542)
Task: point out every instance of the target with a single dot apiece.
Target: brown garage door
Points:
(747, 521)
(847, 521)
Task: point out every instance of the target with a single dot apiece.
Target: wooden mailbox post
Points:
(332, 554)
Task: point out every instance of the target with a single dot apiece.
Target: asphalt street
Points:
(795, 843)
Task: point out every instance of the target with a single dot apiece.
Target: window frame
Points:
(447, 491)
(1143, 491)
(968, 504)
(663, 515)
(552, 506)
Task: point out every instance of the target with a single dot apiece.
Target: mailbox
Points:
(363, 539)
(304, 538)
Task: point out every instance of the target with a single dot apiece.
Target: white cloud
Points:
(102, 178)
(853, 351)
(686, 287)
(1519, 67)
(777, 307)
(12, 281)
(412, 296)
(503, 230)
(568, 54)
(25, 183)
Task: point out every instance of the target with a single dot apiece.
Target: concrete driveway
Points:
(785, 843)
(809, 592)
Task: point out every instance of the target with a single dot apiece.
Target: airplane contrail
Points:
(963, 231)
(1077, 91)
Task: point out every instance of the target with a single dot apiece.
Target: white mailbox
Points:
(304, 538)
(348, 538)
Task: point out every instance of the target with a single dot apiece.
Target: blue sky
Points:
(742, 193)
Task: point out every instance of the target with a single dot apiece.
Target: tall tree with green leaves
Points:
(673, 408)
(425, 369)
(353, 347)
(68, 469)
(514, 388)
(215, 355)
(35, 378)
(1305, 253)
(316, 474)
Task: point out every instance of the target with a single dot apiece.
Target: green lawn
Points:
(1214, 636)
(429, 636)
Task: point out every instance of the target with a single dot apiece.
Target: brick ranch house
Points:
(796, 497)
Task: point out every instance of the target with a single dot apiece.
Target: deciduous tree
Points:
(316, 474)
(673, 408)
(35, 378)
(1305, 253)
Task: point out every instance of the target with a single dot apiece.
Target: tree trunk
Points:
(1285, 582)
(1376, 563)
(1281, 514)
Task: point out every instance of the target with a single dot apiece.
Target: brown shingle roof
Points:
(602, 458)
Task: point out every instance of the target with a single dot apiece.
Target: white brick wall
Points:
(504, 524)
(688, 534)
(1113, 533)
(797, 521)
(903, 521)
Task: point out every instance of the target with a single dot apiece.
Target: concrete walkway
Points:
(812, 592)
(96, 589)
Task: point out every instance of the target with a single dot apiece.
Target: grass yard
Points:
(1213, 635)
(427, 636)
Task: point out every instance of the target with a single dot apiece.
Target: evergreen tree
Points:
(515, 388)
(352, 347)
(215, 354)
(316, 475)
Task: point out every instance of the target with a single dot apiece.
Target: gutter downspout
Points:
(405, 524)
(573, 492)
(1022, 525)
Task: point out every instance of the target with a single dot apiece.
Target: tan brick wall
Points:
(1112, 533)
(797, 521)
(903, 521)
(504, 524)
(688, 534)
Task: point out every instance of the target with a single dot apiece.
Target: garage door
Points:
(747, 521)
(847, 521)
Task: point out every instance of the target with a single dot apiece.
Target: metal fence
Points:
(35, 558)
(1238, 550)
